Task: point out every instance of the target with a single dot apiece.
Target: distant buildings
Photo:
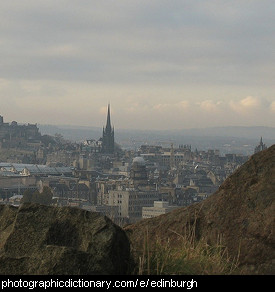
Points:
(15, 178)
(125, 185)
(128, 196)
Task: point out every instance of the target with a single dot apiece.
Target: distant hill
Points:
(227, 139)
(82, 132)
(236, 131)
(72, 133)
(241, 213)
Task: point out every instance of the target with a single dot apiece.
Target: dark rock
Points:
(38, 239)
(241, 213)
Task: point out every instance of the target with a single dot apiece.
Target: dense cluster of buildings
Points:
(97, 175)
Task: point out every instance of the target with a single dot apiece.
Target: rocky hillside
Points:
(240, 213)
(37, 239)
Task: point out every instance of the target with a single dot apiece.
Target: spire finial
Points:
(108, 124)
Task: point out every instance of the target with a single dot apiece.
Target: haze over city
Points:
(160, 64)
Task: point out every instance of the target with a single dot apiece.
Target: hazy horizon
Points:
(242, 139)
(71, 126)
(162, 65)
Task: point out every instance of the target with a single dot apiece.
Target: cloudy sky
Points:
(160, 64)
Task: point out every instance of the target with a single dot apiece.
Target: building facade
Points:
(130, 203)
(159, 208)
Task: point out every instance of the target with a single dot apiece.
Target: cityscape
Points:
(99, 175)
(137, 138)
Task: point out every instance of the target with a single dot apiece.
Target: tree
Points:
(44, 198)
(27, 196)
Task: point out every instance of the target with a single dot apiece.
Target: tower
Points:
(108, 137)
(260, 147)
(172, 157)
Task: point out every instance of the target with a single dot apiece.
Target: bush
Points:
(44, 198)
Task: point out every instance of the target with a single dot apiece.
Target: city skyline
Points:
(160, 65)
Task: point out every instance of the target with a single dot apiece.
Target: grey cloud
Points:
(118, 41)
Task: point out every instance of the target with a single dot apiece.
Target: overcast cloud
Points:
(161, 64)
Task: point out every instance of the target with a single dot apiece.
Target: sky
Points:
(171, 64)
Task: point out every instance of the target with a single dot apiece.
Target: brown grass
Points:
(189, 257)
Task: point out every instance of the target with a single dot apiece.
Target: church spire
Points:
(260, 147)
(108, 124)
(108, 143)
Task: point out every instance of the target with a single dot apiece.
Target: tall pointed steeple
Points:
(108, 143)
(108, 124)
(260, 147)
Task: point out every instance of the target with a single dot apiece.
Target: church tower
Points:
(108, 137)
(260, 147)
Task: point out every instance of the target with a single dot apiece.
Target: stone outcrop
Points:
(241, 213)
(38, 239)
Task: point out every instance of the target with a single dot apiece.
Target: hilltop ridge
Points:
(241, 213)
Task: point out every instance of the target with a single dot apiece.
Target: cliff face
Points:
(241, 213)
(37, 239)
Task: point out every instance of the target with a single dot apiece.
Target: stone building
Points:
(159, 208)
(23, 136)
(130, 203)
